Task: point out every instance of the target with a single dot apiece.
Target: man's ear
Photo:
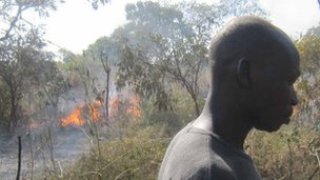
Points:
(243, 73)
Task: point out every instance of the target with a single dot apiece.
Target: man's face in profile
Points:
(273, 93)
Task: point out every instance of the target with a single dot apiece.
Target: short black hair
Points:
(248, 37)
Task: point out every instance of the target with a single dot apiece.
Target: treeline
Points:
(160, 54)
(29, 78)
(160, 48)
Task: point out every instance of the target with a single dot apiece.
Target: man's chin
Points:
(271, 127)
(271, 124)
(268, 128)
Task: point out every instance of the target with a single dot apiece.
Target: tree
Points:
(26, 69)
(20, 51)
(4, 104)
(141, 47)
(308, 88)
(105, 52)
(11, 14)
(164, 44)
(95, 3)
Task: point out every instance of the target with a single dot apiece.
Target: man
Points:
(254, 65)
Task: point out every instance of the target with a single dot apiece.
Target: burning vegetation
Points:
(77, 116)
(94, 111)
(129, 106)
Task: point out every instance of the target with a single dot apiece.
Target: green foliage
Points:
(161, 52)
(309, 49)
(165, 44)
(243, 7)
(11, 12)
(27, 72)
(171, 120)
(24, 66)
(105, 49)
(95, 3)
(4, 105)
(291, 153)
(168, 121)
(307, 85)
(159, 49)
(72, 69)
(314, 31)
(288, 154)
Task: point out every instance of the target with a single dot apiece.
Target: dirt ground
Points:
(40, 150)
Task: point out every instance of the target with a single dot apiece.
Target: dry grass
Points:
(290, 153)
(137, 157)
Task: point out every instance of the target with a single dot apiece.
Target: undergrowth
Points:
(290, 153)
(137, 157)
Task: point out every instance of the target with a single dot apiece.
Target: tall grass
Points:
(137, 157)
(287, 154)
(290, 153)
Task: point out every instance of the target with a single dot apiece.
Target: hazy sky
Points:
(75, 24)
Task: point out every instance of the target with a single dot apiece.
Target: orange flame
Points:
(117, 105)
(75, 117)
(95, 111)
(130, 107)
(134, 107)
(114, 106)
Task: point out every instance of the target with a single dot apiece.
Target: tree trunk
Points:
(107, 95)
(13, 111)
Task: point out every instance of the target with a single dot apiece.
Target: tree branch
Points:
(12, 24)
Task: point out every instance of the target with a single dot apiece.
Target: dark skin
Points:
(256, 65)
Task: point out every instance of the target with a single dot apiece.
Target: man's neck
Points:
(231, 127)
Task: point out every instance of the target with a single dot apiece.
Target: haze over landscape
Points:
(120, 87)
(76, 24)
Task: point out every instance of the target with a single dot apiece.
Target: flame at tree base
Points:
(130, 106)
(75, 118)
(93, 112)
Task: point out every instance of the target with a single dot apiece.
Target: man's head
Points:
(254, 67)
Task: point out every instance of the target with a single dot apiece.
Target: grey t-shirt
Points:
(198, 154)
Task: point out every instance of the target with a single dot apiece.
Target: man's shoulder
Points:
(213, 170)
(197, 154)
(189, 143)
(200, 170)
(190, 155)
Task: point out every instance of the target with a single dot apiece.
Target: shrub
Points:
(288, 154)
(138, 157)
